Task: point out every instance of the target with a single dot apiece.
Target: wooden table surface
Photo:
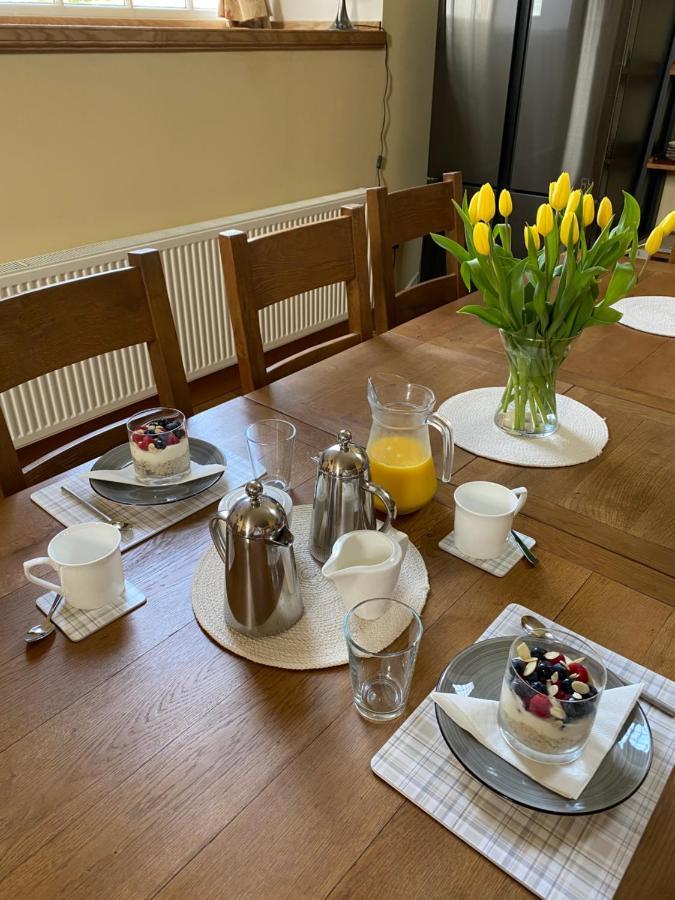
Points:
(146, 761)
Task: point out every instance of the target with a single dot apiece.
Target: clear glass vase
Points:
(528, 405)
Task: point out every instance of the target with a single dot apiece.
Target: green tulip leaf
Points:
(490, 316)
(622, 281)
(461, 253)
(604, 315)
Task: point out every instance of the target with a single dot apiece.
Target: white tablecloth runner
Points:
(556, 857)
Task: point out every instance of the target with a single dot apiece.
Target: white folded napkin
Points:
(127, 475)
(479, 718)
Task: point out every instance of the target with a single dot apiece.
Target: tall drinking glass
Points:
(381, 675)
(271, 445)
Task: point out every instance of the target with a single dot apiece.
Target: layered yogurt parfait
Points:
(160, 450)
(550, 695)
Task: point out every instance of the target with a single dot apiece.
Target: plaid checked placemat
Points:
(145, 521)
(556, 857)
(499, 566)
(78, 624)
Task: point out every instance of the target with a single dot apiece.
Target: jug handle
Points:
(443, 427)
(219, 542)
(386, 499)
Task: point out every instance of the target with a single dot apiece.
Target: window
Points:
(122, 8)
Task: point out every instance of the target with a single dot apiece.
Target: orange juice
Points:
(403, 466)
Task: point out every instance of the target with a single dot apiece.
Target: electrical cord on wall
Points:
(385, 118)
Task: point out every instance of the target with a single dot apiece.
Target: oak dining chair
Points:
(47, 329)
(261, 271)
(393, 219)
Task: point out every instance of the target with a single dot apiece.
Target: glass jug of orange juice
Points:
(398, 448)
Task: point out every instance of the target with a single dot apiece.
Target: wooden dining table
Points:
(146, 761)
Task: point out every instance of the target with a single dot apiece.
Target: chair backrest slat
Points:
(265, 270)
(403, 216)
(47, 329)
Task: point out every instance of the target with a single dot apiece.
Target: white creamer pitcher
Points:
(366, 565)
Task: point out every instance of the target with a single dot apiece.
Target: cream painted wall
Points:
(108, 145)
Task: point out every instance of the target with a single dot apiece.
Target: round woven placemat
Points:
(581, 436)
(316, 640)
(655, 315)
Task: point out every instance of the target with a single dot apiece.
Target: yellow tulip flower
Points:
(588, 209)
(604, 212)
(486, 203)
(545, 220)
(654, 241)
(505, 204)
(569, 229)
(573, 202)
(473, 209)
(551, 189)
(668, 223)
(531, 236)
(481, 238)
(561, 191)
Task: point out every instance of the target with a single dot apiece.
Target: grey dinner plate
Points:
(132, 495)
(481, 668)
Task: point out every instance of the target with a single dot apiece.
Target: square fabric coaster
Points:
(556, 857)
(498, 566)
(78, 624)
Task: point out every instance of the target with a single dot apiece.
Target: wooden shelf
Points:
(664, 165)
(23, 35)
(672, 69)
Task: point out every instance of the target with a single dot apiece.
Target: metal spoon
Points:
(534, 626)
(93, 509)
(527, 553)
(45, 628)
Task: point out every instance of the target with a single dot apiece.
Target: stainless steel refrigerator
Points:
(525, 89)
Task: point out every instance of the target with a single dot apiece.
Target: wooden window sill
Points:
(60, 35)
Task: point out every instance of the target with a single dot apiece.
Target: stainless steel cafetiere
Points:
(343, 496)
(262, 593)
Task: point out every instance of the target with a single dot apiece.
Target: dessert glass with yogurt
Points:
(159, 446)
(550, 695)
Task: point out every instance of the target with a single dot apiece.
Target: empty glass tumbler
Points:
(271, 445)
(382, 672)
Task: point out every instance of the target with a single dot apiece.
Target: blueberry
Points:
(518, 665)
(591, 691)
(543, 671)
(573, 710)
(160, 443)
(566, 685)
(171, 424)
(538, 653)
(538, 686)
(520, 689)
(179, 432)
(560, 669)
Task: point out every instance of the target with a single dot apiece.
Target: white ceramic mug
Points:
(484, 513)
(88, 561)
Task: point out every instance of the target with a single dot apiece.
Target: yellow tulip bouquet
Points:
(543, 302)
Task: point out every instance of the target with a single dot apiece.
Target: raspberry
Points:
(540, 706)
(580, 672)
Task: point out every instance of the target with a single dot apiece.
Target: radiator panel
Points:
(191, 262)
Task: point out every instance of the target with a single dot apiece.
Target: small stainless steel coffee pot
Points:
(343, 496)
(262, 594)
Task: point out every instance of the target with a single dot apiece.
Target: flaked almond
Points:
(576, 696)
(523, 651)
(554, 678)
(552, 690)
(568, 661)
(530, 667)
(552, 654)
(557, 712)
(580, 687)
(580, 660)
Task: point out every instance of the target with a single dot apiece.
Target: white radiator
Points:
(191, 262)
